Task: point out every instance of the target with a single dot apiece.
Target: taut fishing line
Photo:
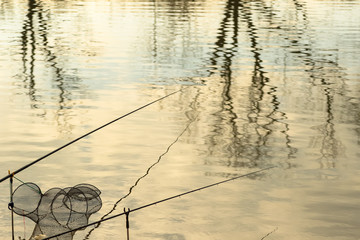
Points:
(85, 135)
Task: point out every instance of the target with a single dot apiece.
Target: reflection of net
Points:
(58, 210)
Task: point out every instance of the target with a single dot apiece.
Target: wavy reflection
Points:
(248, 145)
(28, 47)
(35, 51)
(59, 76)
(155, 33)
(325, 75)
(268, 120)
(221, 61)
(329, 147)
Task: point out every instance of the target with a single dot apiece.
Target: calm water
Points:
(264, 83)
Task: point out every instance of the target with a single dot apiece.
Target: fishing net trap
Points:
(57, 210)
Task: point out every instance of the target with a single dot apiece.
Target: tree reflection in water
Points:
(261, 71)
(247, 144)
(327, 77)
(36, 50)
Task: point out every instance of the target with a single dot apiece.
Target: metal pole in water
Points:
(11, 205)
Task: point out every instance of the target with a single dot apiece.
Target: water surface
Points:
(264, 83)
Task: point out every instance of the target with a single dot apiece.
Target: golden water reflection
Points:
(264, 83)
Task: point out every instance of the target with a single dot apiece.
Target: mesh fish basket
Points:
(57, 210)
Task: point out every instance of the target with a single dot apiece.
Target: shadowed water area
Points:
(264, 83)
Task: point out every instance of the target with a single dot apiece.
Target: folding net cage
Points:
(57, 210)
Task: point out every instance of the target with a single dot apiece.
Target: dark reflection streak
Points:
(239, 147)
(306, 48)
(191, 120)
(35, 33)
(236, 145)
(269, 13)
(259, 82)
(220, 52)
(221, 38)
(227, 102)
(329, 145)
(28, 40)
(258, 79)
(51, 57)
(227, 73)
(155, 32)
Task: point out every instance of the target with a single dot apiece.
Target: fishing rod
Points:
(160, 201)
(85, 135)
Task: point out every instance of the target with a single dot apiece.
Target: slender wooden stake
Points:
(127, 223)
(11, 205)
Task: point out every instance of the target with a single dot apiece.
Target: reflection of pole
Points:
(11, 205)
(155, 32)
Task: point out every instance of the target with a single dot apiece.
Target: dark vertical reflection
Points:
(257, 87)
(329, 144)
(51, 57)
(37, 54)
(326, 75)
(227, 107)
(266, 121)
(247, 146)
(228, 23)
(222, 59)
(28, 52)
(155, 44)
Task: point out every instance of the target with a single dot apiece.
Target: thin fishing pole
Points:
(85, 135)
(11, 206)
(160, 201)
